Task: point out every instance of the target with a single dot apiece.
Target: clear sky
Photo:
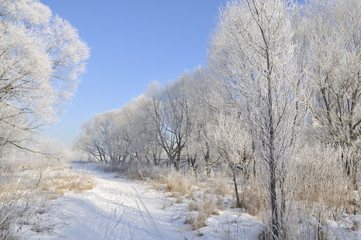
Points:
(133, 42)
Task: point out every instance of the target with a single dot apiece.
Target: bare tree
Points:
(139, 131)
(41, 58)
(91, 139)
(169, 110)
(333, 52)
(253, 50)
(229, 137)
(205, 96)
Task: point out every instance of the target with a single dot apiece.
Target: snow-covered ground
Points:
(118, 208)
(114, 209)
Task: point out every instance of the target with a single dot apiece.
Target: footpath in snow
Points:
(114, 209)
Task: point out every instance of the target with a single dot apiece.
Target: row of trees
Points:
(277, 71)
(156, 127)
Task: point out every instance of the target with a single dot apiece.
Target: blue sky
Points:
(132, 44)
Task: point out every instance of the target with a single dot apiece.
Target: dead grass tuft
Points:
(355, 225)
(70, 183)
(321, 180)
(200, 211)
(219, 186)
(179, 200)
(178, 182)
(197, 220)
(252, 199)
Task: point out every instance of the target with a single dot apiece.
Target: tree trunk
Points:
(177, 161)
(254, 159)
(283, 206)
(354, 176)
(207, 160)
(236, 187)
(274, 207)
(192, 162)
(272, 160)
(245, 164)
(208, 169)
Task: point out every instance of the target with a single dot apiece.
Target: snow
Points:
(349, 228)
(230, 224)
(114, 209)
(118, 208)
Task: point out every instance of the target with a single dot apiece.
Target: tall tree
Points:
(170, 112)
(204, 97)
(252, 49)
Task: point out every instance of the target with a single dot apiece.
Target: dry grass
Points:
(179, 200)
(193, 206)
(23, 186)
(77, 183)
(355, 225)
(317, 190)
(253, 199)
(178, 182)
(45, 178)
(208, 206)
(320, 180)
(53, 180)
(219, 186)
(206, 197)
(200, 210)
(197, 220)
(219, 202)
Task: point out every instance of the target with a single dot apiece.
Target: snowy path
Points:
(115, 209)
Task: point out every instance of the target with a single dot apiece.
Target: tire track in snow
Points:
(155, 227)
(114, 209)
(132, 218)
(115, 225)
(119, 219)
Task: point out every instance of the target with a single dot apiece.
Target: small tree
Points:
(229, 136)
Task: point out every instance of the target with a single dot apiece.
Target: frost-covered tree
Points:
(253, 51)
(229, 137)
(205, 96)
(41, 59)
(92, 138)
(170, 112)
(138, 129)
(121, 135)
(333, 33)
